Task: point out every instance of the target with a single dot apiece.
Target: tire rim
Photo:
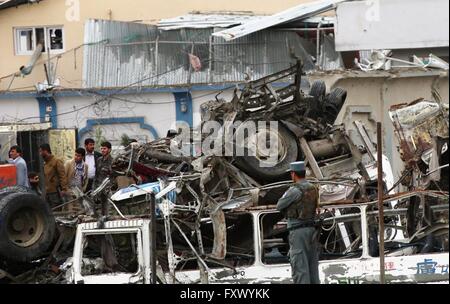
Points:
(262, 156)
(25, 227)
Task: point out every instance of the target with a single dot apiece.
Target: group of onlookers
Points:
(85, 171)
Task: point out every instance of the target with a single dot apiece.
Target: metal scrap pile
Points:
(211, 188)
(201, 198)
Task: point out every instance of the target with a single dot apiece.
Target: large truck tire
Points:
(289, 152)
(337, 97)
(13, 189)
(318, 89)
(27, 227)
(332, 104)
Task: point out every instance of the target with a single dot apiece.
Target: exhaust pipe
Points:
(26, 69)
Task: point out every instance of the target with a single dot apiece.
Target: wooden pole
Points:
(380, 200)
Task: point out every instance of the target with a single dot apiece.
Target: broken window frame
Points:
(140, 275)
(231, 256)
(261, 218)
(19, 50)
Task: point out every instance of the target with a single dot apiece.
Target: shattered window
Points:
(275, 239)
(56, 38)
(240, 242)
(417, 228)
(27, 39)
(339, 238)
(239, 247)
(40, 38)
(111, 253)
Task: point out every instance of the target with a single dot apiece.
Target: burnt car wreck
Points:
(215, 218)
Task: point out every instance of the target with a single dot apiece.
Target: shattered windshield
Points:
(110, 253)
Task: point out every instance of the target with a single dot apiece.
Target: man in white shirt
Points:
(21, 166)
(90, 159)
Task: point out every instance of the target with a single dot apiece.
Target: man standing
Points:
(299, 204)
(90, 159)
(103, 165)
(55, 176)
(103, 170)
(77, 171)
(21, 166)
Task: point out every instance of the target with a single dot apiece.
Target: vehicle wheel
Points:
(318, 89)
(27, 227)
(337, 97)
(330, 113)
(288, 152)
(13, 189)
(332, 104)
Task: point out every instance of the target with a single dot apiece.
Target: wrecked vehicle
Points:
(257, 250)
(210, 207)
(302, 119)
(205, 183)
(422, 131)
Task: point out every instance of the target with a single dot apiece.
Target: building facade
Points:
(23, 25)
(107, 78)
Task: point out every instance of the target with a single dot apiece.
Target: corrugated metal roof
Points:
(206, 21)
(296, 13)
(142, 55)
(223, 20)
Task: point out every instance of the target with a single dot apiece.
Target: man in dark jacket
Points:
(103, 170)
(299, 204)
(103, 165)
(55, 176)
(90, 159)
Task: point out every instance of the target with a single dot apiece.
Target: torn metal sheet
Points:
(422, 129)
(221, 20)
(296, 13)
(329, 59)
(206, 20)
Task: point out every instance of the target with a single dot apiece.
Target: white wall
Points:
(13, 110)
(158, 109)
(392, 24)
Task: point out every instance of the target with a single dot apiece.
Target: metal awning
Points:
(17, 127)
(296, 13)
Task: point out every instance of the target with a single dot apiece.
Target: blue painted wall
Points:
(183, 104)
(47, 110)
(91, 123)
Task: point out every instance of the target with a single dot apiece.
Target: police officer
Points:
(299, 204)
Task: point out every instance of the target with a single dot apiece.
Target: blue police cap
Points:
(297, 166)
